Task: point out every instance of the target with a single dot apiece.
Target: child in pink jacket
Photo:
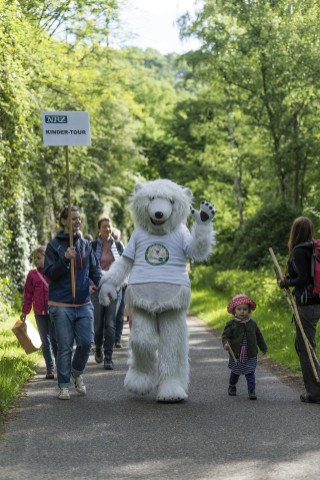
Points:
(36, 296)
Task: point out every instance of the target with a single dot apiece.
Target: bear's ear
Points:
(138, 187)
(187, 192)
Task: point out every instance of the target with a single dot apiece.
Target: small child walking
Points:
(36, 296)
(241, 337)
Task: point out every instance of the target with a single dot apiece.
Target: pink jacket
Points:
(35, 293)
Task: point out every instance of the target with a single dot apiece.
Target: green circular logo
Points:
(157, 254)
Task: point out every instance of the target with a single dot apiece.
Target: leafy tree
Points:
(265, 54)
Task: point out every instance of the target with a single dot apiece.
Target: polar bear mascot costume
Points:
(158, 294)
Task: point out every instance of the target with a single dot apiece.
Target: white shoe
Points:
(64, 394)
(79, 385)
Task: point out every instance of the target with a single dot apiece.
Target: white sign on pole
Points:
(66, 128)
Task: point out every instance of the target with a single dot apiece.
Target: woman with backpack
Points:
(298, 274)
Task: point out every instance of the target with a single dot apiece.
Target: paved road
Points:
(110, 434)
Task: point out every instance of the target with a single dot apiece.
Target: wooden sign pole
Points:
(73, 129)
(70, 220)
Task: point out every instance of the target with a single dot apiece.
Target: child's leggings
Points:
(250, 377)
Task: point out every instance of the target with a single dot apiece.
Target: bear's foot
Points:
(137, 382)
(171, 391)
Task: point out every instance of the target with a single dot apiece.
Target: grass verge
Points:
(16, 367)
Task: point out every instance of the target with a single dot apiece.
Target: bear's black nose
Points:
(158, 214)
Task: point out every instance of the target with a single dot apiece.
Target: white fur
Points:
(113, 279)
(162, 196)
(159, 336)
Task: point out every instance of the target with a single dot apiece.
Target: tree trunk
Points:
(236, 162)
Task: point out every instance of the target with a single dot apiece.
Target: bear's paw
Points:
(206, 213)
(171, 391)
(140, 383)
(107, 294)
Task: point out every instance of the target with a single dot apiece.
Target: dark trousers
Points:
(120, 314)
(309, 316)
(250, 377)
(104, 325)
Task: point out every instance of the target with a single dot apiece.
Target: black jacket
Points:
(299, 270)
(234, 332)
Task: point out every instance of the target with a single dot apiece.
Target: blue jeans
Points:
(72, 324)
(104, 325)
(48, 339)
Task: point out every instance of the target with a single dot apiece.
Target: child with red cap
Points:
(241, 337)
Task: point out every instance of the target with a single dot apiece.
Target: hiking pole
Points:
(310, 351)
(70, 221)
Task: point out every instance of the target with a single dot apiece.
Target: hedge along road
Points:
(112, 434)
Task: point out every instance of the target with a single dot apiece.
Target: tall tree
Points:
(266, 53)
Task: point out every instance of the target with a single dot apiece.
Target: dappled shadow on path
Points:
(111, 434)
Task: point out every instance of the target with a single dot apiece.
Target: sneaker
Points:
(232, 390)
(50, 374)
(108, 363)
(98, 356)
(78, 383)
(64, 394)
(252, 394)
(118, 344)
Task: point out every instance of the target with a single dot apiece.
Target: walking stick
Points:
(310, 351)
(232, 354)
(70, 222)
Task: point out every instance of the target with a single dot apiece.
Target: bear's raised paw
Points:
(206, 213)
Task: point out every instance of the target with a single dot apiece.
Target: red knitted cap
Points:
(241, 300)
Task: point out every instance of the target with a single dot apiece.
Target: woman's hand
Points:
(226, 346)
(284, 282)
(23, 317)
(70, 253)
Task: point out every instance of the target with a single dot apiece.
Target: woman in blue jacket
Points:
(72, 317)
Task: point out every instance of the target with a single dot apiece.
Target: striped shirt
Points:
(244, 365)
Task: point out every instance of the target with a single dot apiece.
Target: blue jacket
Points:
(57, 269)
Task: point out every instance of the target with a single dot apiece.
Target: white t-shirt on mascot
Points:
(155, 255)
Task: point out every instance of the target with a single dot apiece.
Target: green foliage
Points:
(254, 51)
(236, 121)
(15, 366)
(270, 227)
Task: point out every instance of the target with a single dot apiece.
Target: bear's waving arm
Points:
(202, 233)
(113, 279)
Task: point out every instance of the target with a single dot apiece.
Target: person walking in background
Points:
(36, 296)
(298, 275)
(241, 337)
(72, 317)
(107, 251)
(116, 234)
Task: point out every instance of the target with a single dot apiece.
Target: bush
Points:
(270, 227)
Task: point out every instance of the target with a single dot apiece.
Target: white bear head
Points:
(160, 206)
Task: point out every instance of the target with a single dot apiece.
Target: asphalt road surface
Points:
(112, 434)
